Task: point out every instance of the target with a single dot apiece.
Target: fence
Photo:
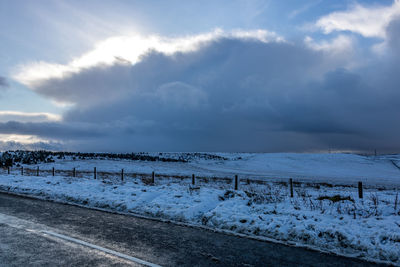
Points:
(152, 177)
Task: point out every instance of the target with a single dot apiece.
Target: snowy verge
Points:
(331, 219)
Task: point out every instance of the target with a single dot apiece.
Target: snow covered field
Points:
(330, 168)
(327, 216)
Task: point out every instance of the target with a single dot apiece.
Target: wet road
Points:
(42, 233)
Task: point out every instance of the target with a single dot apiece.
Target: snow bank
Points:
(330, 218)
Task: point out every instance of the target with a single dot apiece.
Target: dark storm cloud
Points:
(95, 85)
(230, 95)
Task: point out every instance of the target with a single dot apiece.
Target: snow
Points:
(336, 168)
(367, 228)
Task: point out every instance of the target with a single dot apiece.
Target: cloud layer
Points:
(227, 92)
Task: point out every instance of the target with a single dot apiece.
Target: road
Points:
(42, 233)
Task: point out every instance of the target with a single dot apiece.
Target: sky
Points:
(225, 76)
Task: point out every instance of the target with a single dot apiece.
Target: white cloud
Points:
(369, 21)
(341, 50)
(7, 115)
(129, 50)
(340, 45)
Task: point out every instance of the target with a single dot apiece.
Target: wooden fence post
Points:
(22, 170)
(37, 171)
(73, 172)
(53, 171)
(236, 182)
(122, 175)
(360, 190)
(193, 179)
(94, 173)
(291, 187)
(152, 177)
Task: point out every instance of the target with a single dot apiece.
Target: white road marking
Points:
(19, 223)
(106, 250)
(39, 228)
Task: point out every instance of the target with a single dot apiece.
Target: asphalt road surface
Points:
(42, 233)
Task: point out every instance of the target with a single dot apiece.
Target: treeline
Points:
(10, 158)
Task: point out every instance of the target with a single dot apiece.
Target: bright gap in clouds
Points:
(21, 139)
(8, 115)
